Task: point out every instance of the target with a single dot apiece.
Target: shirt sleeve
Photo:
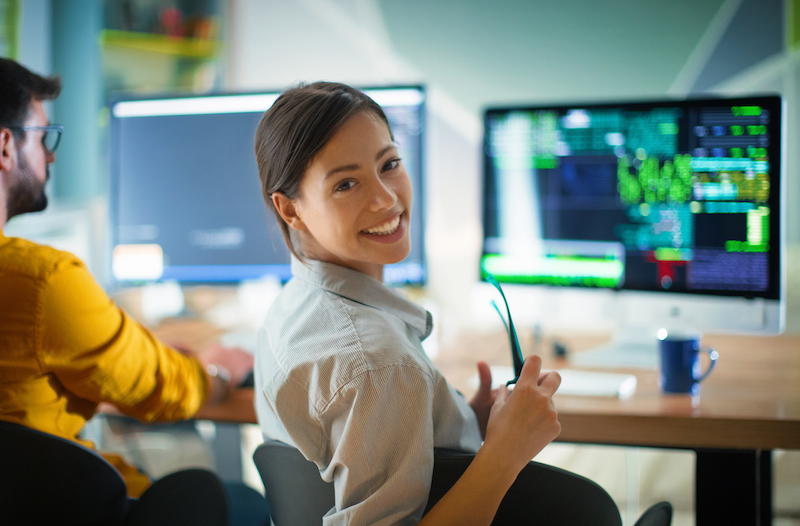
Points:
(99, 353)
(380, 428)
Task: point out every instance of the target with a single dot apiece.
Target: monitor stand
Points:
(630, 347)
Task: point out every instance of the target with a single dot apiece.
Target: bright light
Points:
(258, 103)
(395, 97)
(138, 262)
(615, 139)
(577, 119)
(195, 105)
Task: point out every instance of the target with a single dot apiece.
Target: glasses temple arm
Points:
(516, 353)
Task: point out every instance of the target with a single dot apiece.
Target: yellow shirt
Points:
(65, 347)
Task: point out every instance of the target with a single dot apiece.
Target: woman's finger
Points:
(550, 382)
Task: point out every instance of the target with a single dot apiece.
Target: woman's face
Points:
(354, 202)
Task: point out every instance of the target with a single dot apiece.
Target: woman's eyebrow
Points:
(351, 167)
(384, 150)
(345, 168)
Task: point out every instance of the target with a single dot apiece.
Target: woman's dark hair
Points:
(18, 86)
(294, 130)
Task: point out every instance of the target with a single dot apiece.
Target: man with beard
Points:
(65, 347)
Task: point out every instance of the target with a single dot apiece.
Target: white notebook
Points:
(576, 383)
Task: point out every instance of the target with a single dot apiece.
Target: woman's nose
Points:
(383, 195)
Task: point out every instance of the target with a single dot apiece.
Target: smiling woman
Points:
(340, 370)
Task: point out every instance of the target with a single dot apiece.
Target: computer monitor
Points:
(670, 210)
(186, 203)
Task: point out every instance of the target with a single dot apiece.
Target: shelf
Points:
(162, 44)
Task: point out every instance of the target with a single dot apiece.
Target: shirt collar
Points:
(363, 289)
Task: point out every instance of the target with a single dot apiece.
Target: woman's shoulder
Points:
(321, 341)
(308, 316)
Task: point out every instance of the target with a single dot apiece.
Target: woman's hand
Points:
(484, 397)
(521, 423)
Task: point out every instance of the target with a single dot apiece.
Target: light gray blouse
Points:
(342, 376)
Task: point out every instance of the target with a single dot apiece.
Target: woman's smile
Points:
(388, 231)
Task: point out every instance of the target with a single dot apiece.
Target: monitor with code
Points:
(671, 196)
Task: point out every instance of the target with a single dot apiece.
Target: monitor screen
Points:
(666, 196)
(186, 202)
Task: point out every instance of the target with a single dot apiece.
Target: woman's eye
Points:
(345, 185)
(391, 164)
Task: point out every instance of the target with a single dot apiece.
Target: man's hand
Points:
(237, 362)
(483, 400)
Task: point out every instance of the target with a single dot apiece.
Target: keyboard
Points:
(574, 383)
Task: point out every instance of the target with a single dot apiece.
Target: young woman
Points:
(340, 371)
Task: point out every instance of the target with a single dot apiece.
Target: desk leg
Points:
(227, 449)
(733, 487)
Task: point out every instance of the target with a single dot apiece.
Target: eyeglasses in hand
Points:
(51, 136)
(516, 354)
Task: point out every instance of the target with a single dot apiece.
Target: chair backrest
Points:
(541, 494)
(45, 479)
(189, 496)
(298, 496)
(659, 514)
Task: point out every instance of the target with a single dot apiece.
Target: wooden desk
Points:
(750, 401)
(237, 409)
(748, 406)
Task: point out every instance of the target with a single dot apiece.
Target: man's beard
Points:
(26, 193)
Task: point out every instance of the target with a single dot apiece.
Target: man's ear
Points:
(287, 209)
(8, 150)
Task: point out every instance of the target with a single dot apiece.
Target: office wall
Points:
(35, 39)
(473, 53)
(62, 37)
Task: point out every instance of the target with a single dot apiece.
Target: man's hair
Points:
(294, 130)
(18, 87)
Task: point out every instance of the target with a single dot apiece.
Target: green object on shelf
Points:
(793, 24)
(167, 45)
(9, 31)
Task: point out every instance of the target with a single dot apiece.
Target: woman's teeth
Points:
(387, 228)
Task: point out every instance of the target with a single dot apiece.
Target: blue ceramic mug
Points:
(680, 362)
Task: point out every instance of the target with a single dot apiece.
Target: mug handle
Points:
(713, 355)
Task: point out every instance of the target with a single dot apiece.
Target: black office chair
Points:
(299, 497)
(659, 514)
(45, 479)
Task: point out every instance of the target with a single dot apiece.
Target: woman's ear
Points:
(287, 210)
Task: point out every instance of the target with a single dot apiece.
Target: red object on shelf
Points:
(171, 22)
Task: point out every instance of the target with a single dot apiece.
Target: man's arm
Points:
(99, 353)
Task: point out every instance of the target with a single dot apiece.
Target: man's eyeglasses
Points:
(51, 136)
(516, 353)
